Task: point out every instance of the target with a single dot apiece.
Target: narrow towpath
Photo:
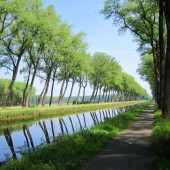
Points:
(131, 150)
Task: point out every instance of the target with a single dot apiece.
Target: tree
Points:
(166, 104)
(146, 71)
(100, 64)
(16, 37)
(145, 19)
(71, 65)
(115, 77)
(140, 17)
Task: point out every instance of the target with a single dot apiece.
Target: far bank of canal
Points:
(15, 114)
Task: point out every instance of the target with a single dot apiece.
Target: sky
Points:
(101, 36)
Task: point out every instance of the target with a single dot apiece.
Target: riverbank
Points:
(18, 113)
(71, 152)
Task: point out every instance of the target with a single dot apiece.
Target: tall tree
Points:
(140, 17)
(19, 33)
(146, 71)
(100, 64)
(166, 104)
(71, 66)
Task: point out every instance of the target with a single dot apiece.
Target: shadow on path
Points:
(131, 150)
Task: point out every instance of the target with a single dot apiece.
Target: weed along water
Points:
(15, 143)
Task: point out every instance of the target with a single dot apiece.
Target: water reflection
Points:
(15, 144)
(28, 137)
(9, 141)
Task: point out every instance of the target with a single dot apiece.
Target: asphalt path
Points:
(130, 150)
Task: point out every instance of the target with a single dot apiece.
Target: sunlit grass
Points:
(161, 143)
(19, 113)
(71, 152)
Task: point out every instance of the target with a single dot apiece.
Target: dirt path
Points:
(131, 150)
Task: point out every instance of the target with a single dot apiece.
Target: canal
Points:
(14, 144)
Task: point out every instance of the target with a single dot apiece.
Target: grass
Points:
(161, 143)
(71, 152)
(18, 113)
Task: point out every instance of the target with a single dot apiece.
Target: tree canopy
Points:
(148, 21)
(38, 44)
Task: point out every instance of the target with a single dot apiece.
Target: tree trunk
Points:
(64, 90)
(118, 96)
(14, 75)
(121, 94)
(84, 88)
(166, 103)
(52, 88)
(71, 91)
(108, 98)
(43, 90)
(61, 92)
(26, 87)
(105, 99)
(46, 89)
(156, 61)
(27, 97)
(103, 94)
(100, 88)
(92, 96)
(112, 95)
(128, 96)
(78, 92)
(162, 50)
(96, 93)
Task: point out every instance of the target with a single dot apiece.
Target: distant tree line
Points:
(35, 39)
(149, 23)
(16, 95)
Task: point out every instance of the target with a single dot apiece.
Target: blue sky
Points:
(84, 15)
(102, 36)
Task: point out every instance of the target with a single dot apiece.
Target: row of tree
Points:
(35, 39)
(149, 22)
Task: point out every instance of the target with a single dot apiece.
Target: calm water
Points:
(19, 142)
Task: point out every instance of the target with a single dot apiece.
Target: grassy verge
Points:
(16, 113)
(73, 151)
(161, 143)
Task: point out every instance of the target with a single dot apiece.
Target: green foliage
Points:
(107, 73)
(131, 86)
(74, 58)
(71, 152)
(58, 55)
(146, 70)
(141, 19)
(161, 142)
(136, 16)
(100, 64)
(17, 92)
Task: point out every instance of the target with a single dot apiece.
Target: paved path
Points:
(131, 150)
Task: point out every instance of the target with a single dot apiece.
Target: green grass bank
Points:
(12, 114)
(161, 143)
(71, 152)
